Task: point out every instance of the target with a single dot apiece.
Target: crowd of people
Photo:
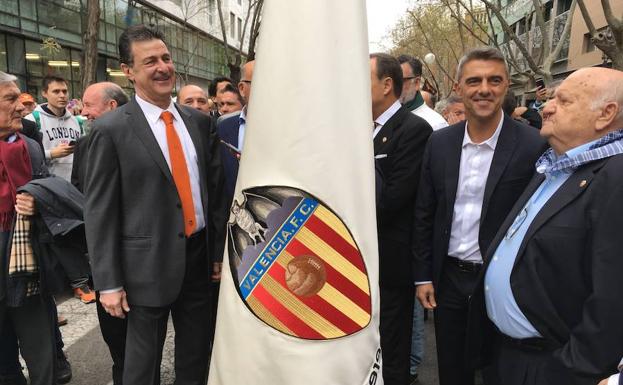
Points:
(501, 219)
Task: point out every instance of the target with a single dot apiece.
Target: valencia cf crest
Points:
(295, 264)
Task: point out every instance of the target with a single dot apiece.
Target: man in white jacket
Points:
(59, 128)
(411, 96)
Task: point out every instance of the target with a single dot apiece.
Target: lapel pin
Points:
(384, 139)
(583, 183)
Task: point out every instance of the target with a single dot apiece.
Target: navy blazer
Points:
(567, 276)
(518, 148)
(227, 129)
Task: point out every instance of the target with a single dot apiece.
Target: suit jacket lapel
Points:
(532, 186)
(453, 164)
(195, 135)
(567, 193)
(384, 136)
(141, 128)
(501, 157)
(230, 132)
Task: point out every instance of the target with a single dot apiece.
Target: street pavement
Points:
(91, 363)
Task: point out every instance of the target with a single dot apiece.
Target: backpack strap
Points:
(37, 115)
(81, 121)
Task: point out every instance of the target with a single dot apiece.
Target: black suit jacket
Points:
(517, 149)
(567, 275)
(78, 166)
(133, 214)
(398, 149)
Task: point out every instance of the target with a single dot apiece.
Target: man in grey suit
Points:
(153, 217)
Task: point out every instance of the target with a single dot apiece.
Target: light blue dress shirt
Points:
(243, 124)
(502, 308)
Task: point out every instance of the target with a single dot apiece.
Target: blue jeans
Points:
(417, 338)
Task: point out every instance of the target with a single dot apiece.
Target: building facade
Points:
(577, 50)
(40, 37)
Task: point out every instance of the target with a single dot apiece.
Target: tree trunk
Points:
(89, 54)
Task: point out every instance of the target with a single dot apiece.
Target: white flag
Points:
(299, 299)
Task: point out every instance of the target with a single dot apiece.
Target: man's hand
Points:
(115, 304)
(61, 151)
(25, 204)
(541, 94)
(425, 293)
(216, 271)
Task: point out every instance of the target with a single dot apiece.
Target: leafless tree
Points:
(88, 58)
(610, 39)
(234, 57)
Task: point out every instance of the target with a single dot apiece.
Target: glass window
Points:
(60, 18)
(121, 11)
(3, 64)
(232, 24)
(9, 6)
(15, 52)
(109, 11)
(28, 9)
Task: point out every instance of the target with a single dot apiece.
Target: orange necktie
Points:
(180, 173)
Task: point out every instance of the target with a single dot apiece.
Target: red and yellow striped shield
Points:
(297, 266)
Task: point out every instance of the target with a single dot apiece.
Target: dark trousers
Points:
(2, 313)
(113, 332)
(191, 312)
(33, 325)
(395, 328)
(516, 365)
(452, 294)
(9, 348)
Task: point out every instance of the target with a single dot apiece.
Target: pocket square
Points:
(380, 156)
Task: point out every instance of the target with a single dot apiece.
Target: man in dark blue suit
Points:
(231, 130)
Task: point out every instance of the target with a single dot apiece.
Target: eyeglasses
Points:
(245, 81)
(404, 79)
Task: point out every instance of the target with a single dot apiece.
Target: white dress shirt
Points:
(385, 116)
(614, 379)
(473, 173)
(152, 114)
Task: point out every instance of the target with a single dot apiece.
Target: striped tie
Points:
(180, 173)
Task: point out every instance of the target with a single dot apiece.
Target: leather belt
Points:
(465, 266)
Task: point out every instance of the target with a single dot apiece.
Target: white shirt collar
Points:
(385, 116)
(152, 112)
(492, 141)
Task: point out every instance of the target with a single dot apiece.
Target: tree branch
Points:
(610, 18)
(561, 41)
(520, 45)
(587, 18)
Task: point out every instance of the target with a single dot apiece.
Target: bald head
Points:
(100, 98)
(586, 106)
(245, 82)
(195, 97)
(605, 86)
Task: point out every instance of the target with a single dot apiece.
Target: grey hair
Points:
(613, 94)
(481, 53)
(443, 105)
(114, 92)
(7, 78)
